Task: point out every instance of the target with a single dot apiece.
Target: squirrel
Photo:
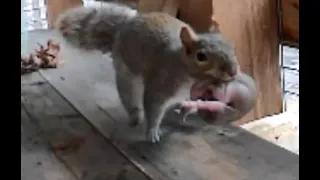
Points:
(157, 58)
(222, 103)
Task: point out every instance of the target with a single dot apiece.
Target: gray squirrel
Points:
(157, 58)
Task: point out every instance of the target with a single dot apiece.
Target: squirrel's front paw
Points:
(154, 135)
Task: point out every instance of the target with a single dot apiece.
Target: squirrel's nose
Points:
(234, 70)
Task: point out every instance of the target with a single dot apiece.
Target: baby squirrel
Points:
(225, 102)
(157, 58)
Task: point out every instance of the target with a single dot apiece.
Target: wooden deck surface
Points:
(81, 132)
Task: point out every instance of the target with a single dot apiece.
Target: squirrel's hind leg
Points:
(130, 89)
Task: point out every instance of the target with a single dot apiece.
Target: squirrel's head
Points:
(208, 54)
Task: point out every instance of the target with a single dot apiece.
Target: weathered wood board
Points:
(85, 153)
(37, 161)
(290, 20)
(190, 151)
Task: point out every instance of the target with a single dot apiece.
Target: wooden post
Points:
(290, 10)
(252, 26)
(55, 7)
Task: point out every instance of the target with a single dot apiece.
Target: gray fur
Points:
(94, 28)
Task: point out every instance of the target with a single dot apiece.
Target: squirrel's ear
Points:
(214, 26)
(187, 36)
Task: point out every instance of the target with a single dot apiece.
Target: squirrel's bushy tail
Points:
(94, 27)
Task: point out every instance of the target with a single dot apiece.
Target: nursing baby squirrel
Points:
(157, 58)
(223, 102)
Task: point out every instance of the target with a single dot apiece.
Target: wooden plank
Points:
(188, 151)
(73, 140)
(37, 161)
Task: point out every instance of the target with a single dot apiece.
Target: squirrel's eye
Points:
(201, 57)
(224, 67)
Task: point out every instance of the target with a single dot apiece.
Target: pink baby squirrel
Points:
(225, 102)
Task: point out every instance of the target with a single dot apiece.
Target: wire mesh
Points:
(35, 13)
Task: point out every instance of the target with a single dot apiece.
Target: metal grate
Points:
(290, 78)
(35, 12)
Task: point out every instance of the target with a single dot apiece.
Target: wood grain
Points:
(71, 139)
(290, 21)
(37, 161)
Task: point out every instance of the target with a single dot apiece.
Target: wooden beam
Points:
(290, 20)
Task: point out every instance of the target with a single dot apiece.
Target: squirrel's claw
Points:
(154, 135)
